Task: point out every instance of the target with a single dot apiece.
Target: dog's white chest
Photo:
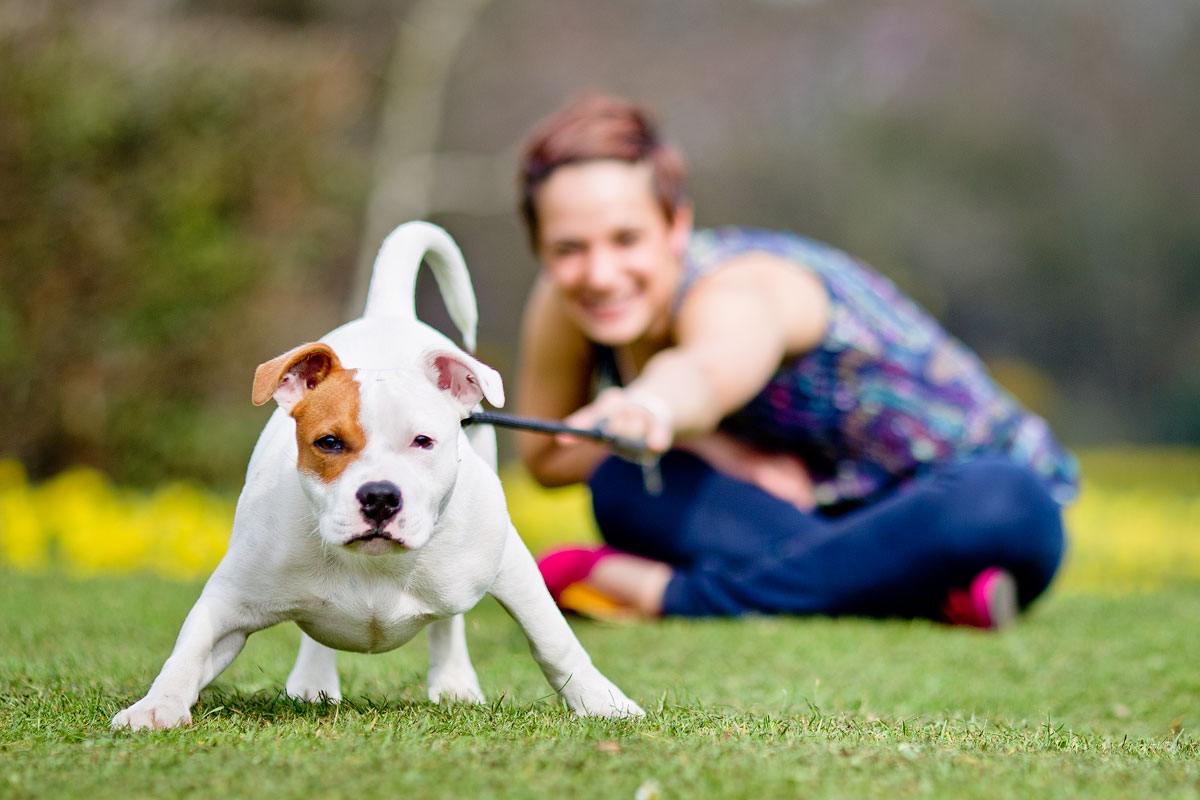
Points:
(373, 622)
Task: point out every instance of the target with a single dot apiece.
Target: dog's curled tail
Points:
(394, 277)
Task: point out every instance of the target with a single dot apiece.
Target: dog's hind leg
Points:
(315, 675)
(451, 676)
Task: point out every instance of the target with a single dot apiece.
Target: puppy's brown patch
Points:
(331, 408)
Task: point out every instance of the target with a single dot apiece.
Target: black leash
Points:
(549, 426)
(632, 449)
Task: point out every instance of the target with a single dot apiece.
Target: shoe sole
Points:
(581, 599)
(1001, 598)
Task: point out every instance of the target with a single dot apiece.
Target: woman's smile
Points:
(609, 306)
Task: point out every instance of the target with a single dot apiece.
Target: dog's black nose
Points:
(380, 500)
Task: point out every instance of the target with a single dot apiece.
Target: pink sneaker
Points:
(989, 602)
(564, 570)
(564, 566)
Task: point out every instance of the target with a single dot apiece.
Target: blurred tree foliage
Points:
(182, 186)
(158, 205)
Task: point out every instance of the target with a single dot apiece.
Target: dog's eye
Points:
(423, 442)
(329, 444)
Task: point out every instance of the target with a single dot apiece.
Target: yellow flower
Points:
(92, 523)
(1135, 527)
(190, 530)
(23, 540)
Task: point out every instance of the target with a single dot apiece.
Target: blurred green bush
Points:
(158, 203)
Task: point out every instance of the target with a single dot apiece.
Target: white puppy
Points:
(369, 514)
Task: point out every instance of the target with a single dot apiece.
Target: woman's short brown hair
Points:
(597, 127)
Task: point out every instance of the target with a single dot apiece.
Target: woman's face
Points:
(609, 249)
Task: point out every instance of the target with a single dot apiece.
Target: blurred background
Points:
(189, 187)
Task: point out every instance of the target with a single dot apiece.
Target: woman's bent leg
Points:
(701, 514)
(736, 549)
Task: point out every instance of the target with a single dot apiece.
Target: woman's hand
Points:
(630, 413)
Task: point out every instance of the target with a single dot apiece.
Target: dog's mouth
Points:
(373, 542)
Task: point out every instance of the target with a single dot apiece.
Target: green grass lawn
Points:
(1088, 696)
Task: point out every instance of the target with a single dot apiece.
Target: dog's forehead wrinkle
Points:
(399, 406)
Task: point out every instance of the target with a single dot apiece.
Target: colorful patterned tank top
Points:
(888, 395)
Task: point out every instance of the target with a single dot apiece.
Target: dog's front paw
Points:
(153, 714)
(597, 696)
(455, 685)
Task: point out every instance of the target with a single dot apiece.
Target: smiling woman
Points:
(826, 447)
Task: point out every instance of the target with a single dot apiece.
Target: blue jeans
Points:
(736, 549)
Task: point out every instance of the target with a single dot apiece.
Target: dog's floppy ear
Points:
(464, 379)
(289, 376)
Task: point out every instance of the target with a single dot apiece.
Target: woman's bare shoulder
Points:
(785, 290)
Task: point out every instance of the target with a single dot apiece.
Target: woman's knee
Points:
(1007, 506)
(997, 493)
